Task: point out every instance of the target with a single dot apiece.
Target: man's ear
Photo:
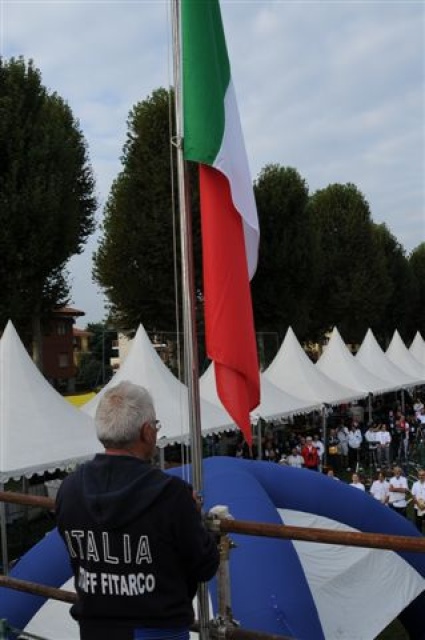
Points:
(145, 433)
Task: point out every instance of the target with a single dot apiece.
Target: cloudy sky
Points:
(335, 89)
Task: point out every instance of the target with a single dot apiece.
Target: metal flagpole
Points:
(3, 528)
(189, 321)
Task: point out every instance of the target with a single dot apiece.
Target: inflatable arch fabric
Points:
(304, 590)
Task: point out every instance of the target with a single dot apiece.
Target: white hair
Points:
(121, 412)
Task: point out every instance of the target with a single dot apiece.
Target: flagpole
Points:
(188, 286)
(189, 317)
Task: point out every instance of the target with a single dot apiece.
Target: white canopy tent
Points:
(417, 348)
(399, 354)
(143, 366)
(339, 364)
(39, 430)
(294, 372)
(371, 356)
(275, 403)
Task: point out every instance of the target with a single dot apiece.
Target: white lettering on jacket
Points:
(84, 546)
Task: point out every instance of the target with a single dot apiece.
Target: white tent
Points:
(39, 430)
(293, 372)
(143, 366)
(275, 403)
(339, 364)
(371, 356)
(417, 348)
(399, 354)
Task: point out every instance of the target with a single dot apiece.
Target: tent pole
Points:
(325, 435)
(259, 440)
(162, 458)
(370, 410)
(3, 527)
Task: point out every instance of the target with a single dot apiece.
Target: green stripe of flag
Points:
(206, 77)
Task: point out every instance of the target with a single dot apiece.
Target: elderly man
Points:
(135, 537)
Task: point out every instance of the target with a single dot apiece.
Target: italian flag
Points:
(230, 233)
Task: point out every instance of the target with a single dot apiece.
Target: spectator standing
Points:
(355, 440)
(310, 455)
(372, 446)
(380, 488)
(320, 449)
(334, 448)
(398, 490)
(383, 439)
(355, 482)
(342, 434)
(295, 459)
(418, 493)
(330, 473)
(135, 536)
(403, 430)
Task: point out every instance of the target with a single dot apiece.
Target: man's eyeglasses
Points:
(155, 424)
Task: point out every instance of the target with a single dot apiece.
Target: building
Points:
(81, 342)
(59, 366)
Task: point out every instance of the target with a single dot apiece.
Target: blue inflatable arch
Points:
(269, 583)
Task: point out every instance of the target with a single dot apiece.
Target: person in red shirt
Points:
(310, 455)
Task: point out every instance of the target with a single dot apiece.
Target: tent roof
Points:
(339, 364)
(417, 348)
(144, 367)
(39, 430)
(371, 356)
(293, 372)
(275, 403)
(399, 354)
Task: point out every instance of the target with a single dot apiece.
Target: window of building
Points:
(61, 328)
(63, 360)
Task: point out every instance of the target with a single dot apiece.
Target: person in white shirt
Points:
(383, 440)
(355, 482)
(295, 459)
(398, 490)
(380, 489)
(372, 446)
(320, 449)
(355, 439)
(343, 441)
(418, 493)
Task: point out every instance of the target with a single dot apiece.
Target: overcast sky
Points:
(334, 89)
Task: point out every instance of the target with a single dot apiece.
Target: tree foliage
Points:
(353, 282)
(417, 306)
(47, 201)
(284, 283)
(139, 248)
(397, 312)
(323, 262)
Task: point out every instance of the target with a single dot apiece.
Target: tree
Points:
(397, 313)
(417, 265)
(138, 253)
(353, 282)
(47, 201)
(283, 285)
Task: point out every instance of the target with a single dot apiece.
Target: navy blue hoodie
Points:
(136, 542)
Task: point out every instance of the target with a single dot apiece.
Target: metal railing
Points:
(223, 626)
